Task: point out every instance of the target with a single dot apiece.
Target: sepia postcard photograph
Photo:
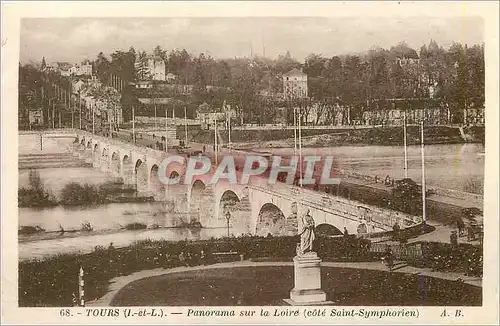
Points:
(250, 162)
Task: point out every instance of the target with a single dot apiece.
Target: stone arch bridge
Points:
(255, 208)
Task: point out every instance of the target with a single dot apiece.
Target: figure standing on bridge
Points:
(306, 232)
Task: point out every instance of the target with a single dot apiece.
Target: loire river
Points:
(458, 166)
(452, 166)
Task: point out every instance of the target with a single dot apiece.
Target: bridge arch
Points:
(115, 164)
(238, 209)
(141, 176)
(89, 144)
(271, 219)
(197, 200)
(155, 185)
(326, 229)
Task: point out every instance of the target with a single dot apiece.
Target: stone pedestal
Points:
(307, 275)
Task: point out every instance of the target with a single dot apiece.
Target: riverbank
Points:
(369, 136)
(43, 235)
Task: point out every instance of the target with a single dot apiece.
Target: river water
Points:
(452, 166)
(457, 166)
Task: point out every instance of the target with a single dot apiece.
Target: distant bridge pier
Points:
(104, 164)
(141, 177)
(178, 195)
(155, 186)
(201, 204)
(96, 157)
(127, 169)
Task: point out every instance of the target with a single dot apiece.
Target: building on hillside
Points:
(407, 60)
(76, 86)
(81, 70)
(171, 78)
(406, 56)
(474, 116)
(61, 65)
(154, 100)
(295, 84)
(157, 68)
(143, 84)
(115, 115)
(436, 115)
(150, 68)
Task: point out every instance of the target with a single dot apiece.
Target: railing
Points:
(68, 131)
(436, 190)
(456, 194)
(161, 120)
(378, 217)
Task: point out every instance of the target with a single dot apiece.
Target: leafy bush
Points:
(444, 257)
(407, 197)
(76, 194)
(35, 194)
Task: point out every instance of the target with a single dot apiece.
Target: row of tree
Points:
(46, 90)
(454, 76)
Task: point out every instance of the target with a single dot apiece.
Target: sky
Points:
(76, 39)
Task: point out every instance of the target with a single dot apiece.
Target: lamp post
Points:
(228, 217)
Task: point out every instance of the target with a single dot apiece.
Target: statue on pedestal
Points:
(307, 267)
(306, 232)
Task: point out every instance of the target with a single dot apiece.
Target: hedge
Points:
(54, 281)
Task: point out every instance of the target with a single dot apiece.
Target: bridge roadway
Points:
(256, 208)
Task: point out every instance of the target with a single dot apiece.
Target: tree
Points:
(141, 67)
(44, 65)
(158, 52)
(314, 65)
(101, 66)
(407, 197)
(122, 64)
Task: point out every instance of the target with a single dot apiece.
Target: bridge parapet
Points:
(350, 209)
